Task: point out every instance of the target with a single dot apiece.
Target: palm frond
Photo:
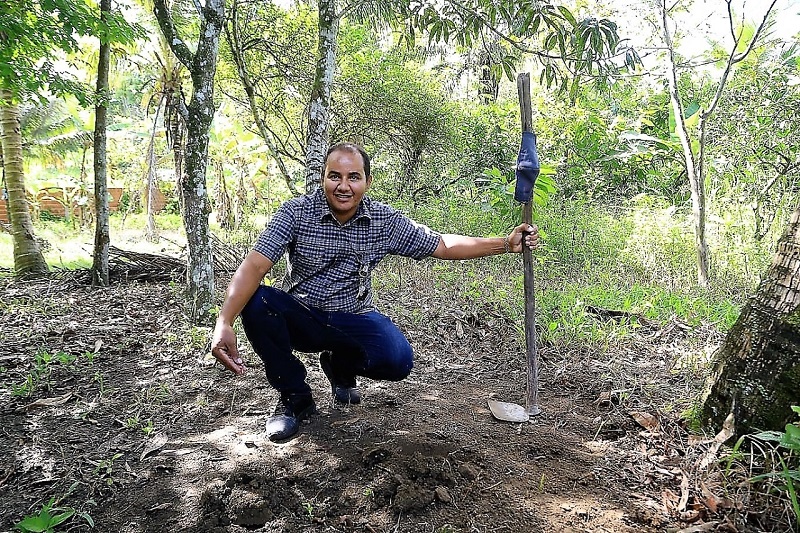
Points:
(69, 142)
(41, 122)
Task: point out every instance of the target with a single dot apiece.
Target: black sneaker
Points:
(290, 411)
(344, 389)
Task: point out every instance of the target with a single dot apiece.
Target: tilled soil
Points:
(122, 416)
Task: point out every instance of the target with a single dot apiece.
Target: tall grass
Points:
(638, 258)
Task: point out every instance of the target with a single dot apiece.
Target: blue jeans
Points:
(365, 344)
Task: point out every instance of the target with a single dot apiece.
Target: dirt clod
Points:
(412, 497)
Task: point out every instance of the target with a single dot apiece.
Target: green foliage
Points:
(52, 515)
(414, 129)
(277, 48)
(45, 520)
(780, 451)
(40, 373)
(50, 130)
(497, 191)
(584, 47)
(104, 469)
(488, 137)
(35, 31)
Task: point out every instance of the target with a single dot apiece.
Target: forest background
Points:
(616, 201)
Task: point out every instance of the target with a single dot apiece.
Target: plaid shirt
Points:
(330, 264)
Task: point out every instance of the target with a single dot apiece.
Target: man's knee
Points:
(257, 308)
(402, 361)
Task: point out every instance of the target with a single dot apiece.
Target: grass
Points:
(70, 247)
(638, 259)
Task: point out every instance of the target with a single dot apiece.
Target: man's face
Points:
(345, 183)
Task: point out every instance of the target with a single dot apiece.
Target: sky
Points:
(701, 20)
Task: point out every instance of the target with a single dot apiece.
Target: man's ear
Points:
(369, 182)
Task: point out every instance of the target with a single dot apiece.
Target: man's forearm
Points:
(243, 285)
(464, 247)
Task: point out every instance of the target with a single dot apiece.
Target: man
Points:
(335, 237)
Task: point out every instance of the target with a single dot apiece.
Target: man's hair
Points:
(353, 148)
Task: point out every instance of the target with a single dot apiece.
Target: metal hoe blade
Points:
(508, 412)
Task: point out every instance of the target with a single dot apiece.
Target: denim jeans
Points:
(365, 344)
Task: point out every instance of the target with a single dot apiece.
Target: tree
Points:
(33, 36)
(752, 146)
(166, 94)
(272, 51)
(202, 66)
(743, 43)
(319, 103)
(416, 119)
(757, 370)
(583, 48)
(28, 259)
(30, 33)
(102, 233)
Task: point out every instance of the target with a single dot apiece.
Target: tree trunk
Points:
(756, 372)
(222, 200)
(28, 259)
(177, 128)
(200, 274)
(240, 198)
(151, 232)
(202, 66)
(102, 234)
(696, 181)
(318, 109)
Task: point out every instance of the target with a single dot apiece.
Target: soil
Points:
(126, 419)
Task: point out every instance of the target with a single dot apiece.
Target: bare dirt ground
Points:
(126, 420)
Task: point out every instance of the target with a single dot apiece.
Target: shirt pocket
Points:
(313, 255)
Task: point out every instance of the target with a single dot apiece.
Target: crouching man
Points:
(334, 238)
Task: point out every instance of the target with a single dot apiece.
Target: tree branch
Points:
(176, 44)
(757, 33)
(733, 58)
(199, 9)
(233, 36)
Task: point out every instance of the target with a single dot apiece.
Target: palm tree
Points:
(757, 369)
(28, 258)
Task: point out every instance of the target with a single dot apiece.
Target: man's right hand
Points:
(223, 347)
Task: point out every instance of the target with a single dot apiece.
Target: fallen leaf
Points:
(727, 430)
(97, 345)
(684, 493)
(646, 420)
(603, 399)
(177, 453)
(695, 440)
(154, 444)
(160, 507)
(700, 528)
(712, 501)
(670, 500)
(48, 402)
(711, 454)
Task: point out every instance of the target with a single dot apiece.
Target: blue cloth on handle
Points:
(527, 168)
